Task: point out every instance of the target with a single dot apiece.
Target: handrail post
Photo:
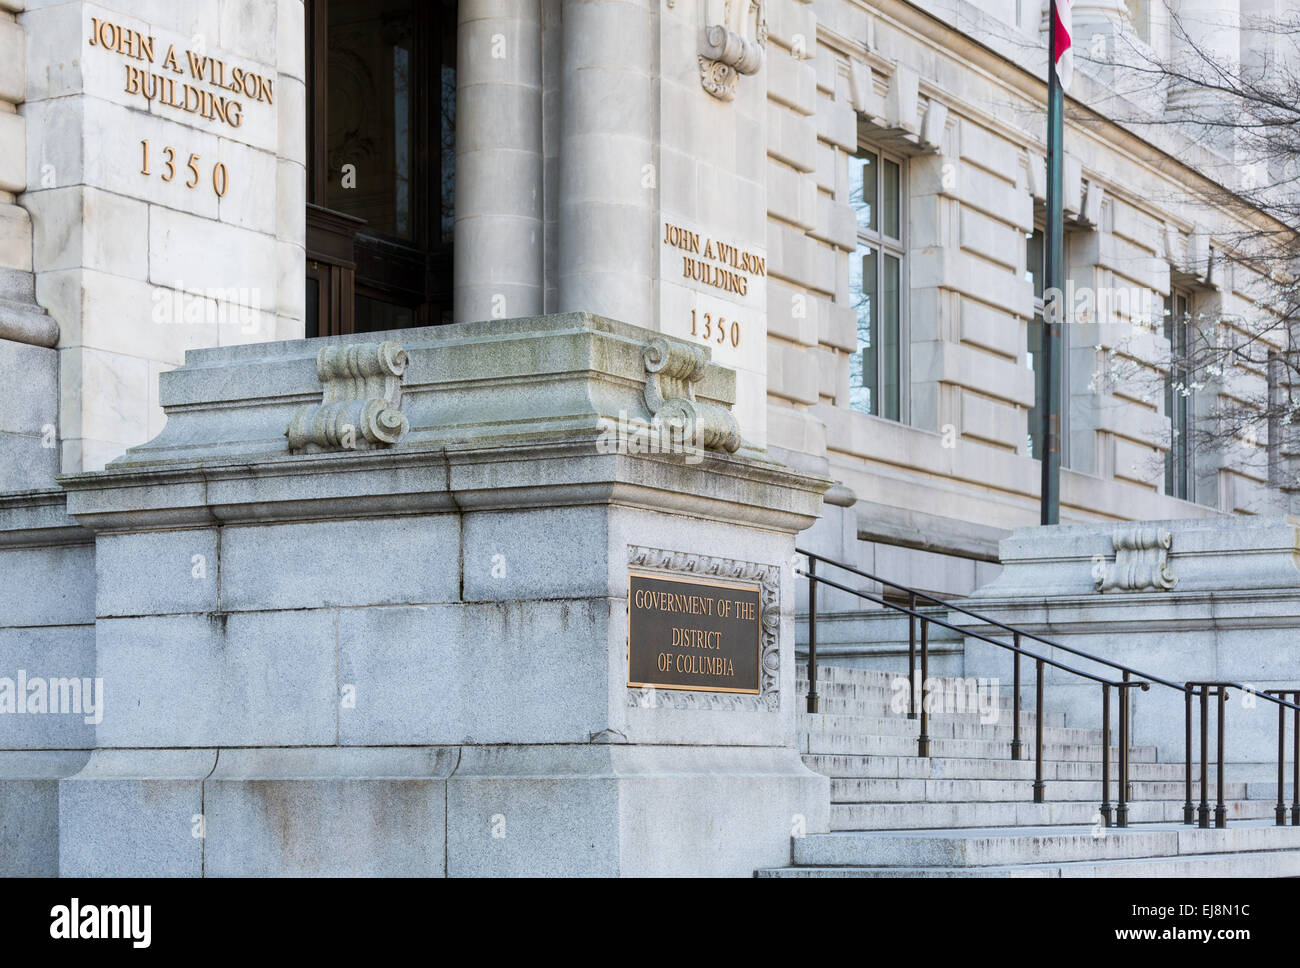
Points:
(911, 655)
(1040, 788)
(1105, 754)
(812, 636)
(1280, 812)
(1015, 701)
(1189, 810)
(1121, 811)
(1295, 762)
(1203, 812)
(1221, 810)
(923, 741)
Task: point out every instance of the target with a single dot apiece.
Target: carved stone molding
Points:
(768, 579)
(901, 119)
(1141, 561)
(672, 371)
(731, 44)
(360, 408)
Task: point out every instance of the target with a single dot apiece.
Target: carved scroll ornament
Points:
(731, 45)
(1141, 561)
(360, 408)
(672, 371)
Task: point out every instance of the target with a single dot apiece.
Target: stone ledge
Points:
(545, 474)
(39, 518)
(530, 412)
(1207, 555)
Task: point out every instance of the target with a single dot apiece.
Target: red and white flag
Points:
(1061, 30)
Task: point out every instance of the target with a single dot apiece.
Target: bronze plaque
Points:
(689, 633)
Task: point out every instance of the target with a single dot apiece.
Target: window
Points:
(380, 163)
(1277, 402)
(1178, 459)
(1139, 15)
(1034, 269)
(876, 283)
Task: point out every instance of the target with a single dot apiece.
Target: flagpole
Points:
(1053, 308)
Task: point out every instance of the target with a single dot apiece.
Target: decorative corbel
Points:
(731, 44)
(933, 125)
(1141, 561)
(672, 371)
(1072, 187)
(360, 407)
(1036, 172)
(1093, 194)
(862, 93)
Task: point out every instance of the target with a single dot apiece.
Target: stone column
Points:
(1263, 45)
(1210, 27)
(1204, 35)
(29, 394)
(498, 250)
(607, 173)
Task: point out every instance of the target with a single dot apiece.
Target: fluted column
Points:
(498, 242)
(607, 178)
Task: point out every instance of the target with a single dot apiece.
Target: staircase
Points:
(967, 810)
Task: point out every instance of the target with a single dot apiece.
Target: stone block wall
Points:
(969, 124)
(51, 704)
(404, 650)
(193, 239)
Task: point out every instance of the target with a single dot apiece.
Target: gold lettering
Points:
(198, 64)
(190, 98)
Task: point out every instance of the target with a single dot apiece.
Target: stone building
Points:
(841, 200)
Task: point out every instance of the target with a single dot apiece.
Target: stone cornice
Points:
(1138, 612)
(1218, 556)
(465, 477)
(39, 518)
(932, 21)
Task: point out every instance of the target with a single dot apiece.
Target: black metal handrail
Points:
(1281, 758)
(1130, 678)
(1040, 664)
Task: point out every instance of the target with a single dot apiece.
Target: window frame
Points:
(1180, 437)
(1035, 323)
(1038, 320)
(895, 247)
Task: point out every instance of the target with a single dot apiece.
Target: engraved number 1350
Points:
(220, 179)
(718, 331)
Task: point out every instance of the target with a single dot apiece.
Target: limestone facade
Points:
(607, 163)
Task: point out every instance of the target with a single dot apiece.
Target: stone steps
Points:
(889, 707)
(1155, 850)
(1265, 864)
(902, 745)
(850, 765)
(967, 809)
(948, 728)
(921, 815)
(1145, 850)
(883, 790)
